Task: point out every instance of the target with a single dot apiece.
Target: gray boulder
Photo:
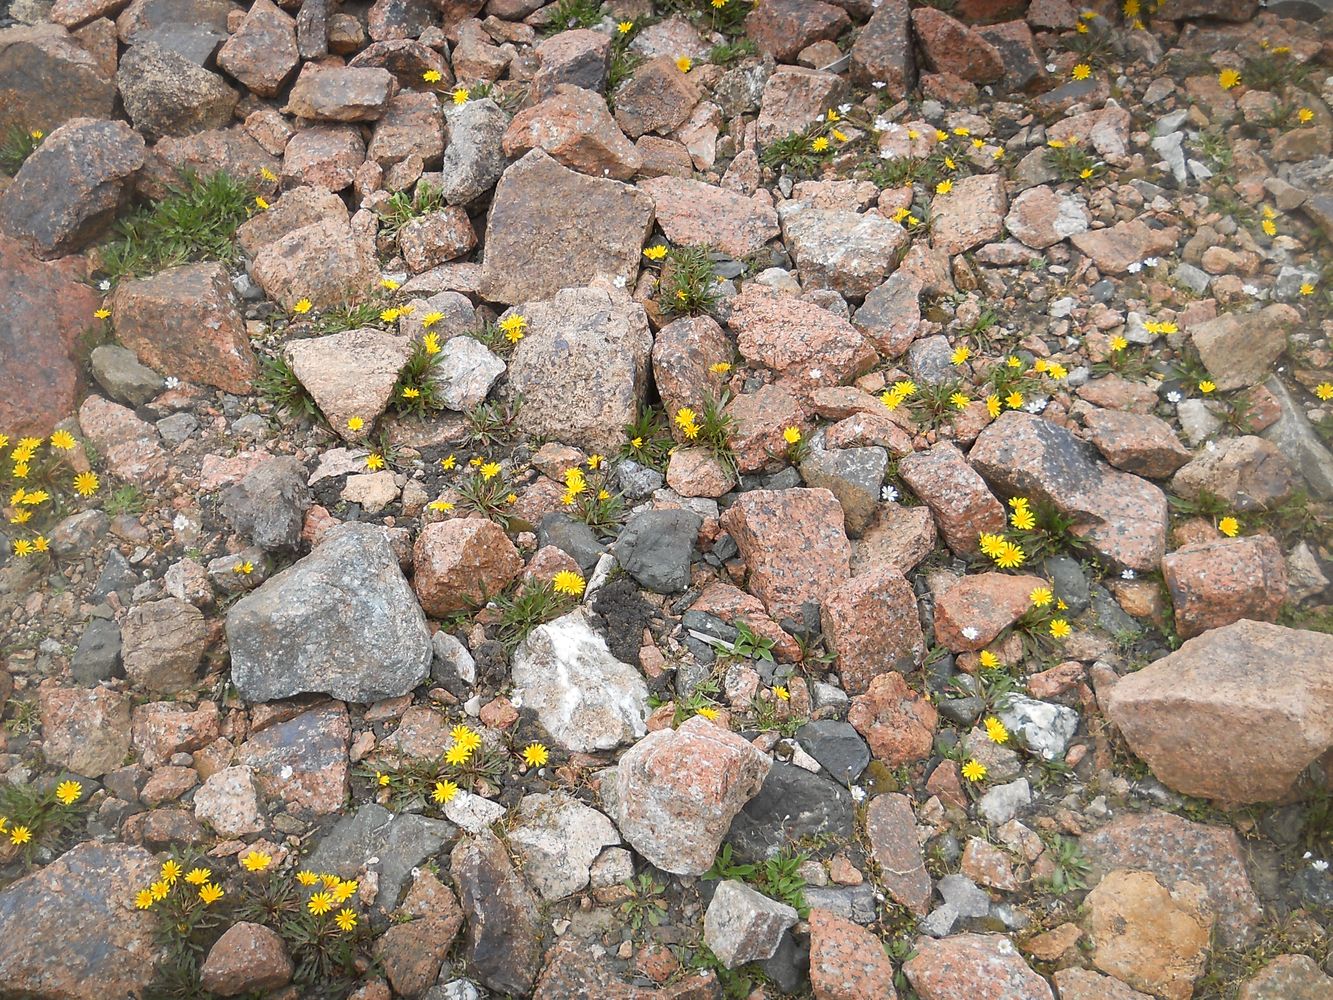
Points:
(655, 548)
(268, 505)
(342, 621)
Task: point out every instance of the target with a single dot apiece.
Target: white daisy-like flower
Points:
(620, 281)
(1150, 261)
(1319, 866)
(1127, 574)
(172, 381)
(1050, 67)
(970, 633)
(816, 373)
(858, 793)
(881, 123)
(1174, 397)
(1035, 405)
(104, 285)
(887, 154)
(889, 494)
(1134, 268)
(878, 84)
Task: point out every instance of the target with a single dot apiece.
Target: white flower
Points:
(1150, 261)
(1134, 268)
(1035, 405)
(1174, 397)
(816, 373)
(970, 633)
(1126, 574)
(620, 281)
(858, 793)
(881, 123)
(878, 84)
(1050, 67)
(1319, 866)
(104, 285)
(887, 154)
(172, 381)
(844, 108)
(889, 494)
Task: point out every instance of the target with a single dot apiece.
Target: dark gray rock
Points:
(124, 379)
(789, 966)
(401, 842)
(192, 29)
(1068, 581)
(1297, 440)
(574, 538)
(343, 621)
(793, 803)
(166, 93)
(68, 930)
(655, 548)
(851, 902)
(68, 191)
(638, 482)
(268, 506)
(98, 655)
(1110, 616)
(473, 156)
(504, 929)
(854, 476)
(837, 746)
(117, 577)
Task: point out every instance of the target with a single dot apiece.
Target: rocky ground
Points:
(683, 499)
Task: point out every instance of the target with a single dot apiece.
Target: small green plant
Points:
(729, 52)
(647, 439)
(528, 605)
(492, 422)
(279, 385)
(574, 14)
(196, 221)
(1214, 146)
(935, 403)
(34, 816)
(901, 951)
(799, 154)
(778, 877)
(487, 491)
(402, 208)
(126, 499)
(750, 646)
(698, 702)
(17, 145)
(710, 428)
(1070, 871)
(1071, 161)
(688, 284)
(593, 502)
(416, 391)
(645, 907)
(365, 314)
(25, 717)
(1205, 504)
(1275, 71)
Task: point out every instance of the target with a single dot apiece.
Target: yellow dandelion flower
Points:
(840, 136)
(457, 755)
(535, 755)
(944, 187)
(974, 770)
(655, 252)
(1305, 116)
(1119, 343)
(23, 548)
(345, 919)
(210, 893)
(268, 175)
(1324, 390)
(684, 63)
(625, 27)
(960, 401)
(781, 693)
(995, 730)
(1269, 227)
(490, 470)
(409, 392)
(988, 659)
(302, 307)
(819, 143)
(355, 423)
(62, 441)
(68, 792)
(1081, 71)
(256, 861)
(198, 876)
(1228, 78)
(1011, 557)
(1041, 597)
(708, 712)
(320, 903)
(444, 792)
(1059, 628)
(513, 328)
(261, 203)
(1229, 526)
(568, 582)
(993, 406)
(171, 870)
(158, 889)
(432, 76)
(1207, 386)
(960, 355)
(1022, 519)
(143, 899)
(990, 544)
(792, 435)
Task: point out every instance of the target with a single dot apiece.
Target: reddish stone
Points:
(956, 495)
(461, 561)
(973, 967)
(882, 52)
(1113, 250)
(1183, 713)
(1288, 977)
(327, 262)
(47, 309)
(794, 97)
(897, 722)
(733, 604)
(262, 53)
(437, 237)
(696, 472)
(303, 761)
(325, 156)
(847, 962)
(986, 864)
(185, 322)
(1049, 684)
(946, 781)
(163, 728)
(781, 28)
(86, 730)
(952, 47)
(693, 213)
(1116, 393)
(684, 352)
(794, 546)
(758, 420)
(421, 933)
(891, 829)
(581, 57)
(130, 447)
(1136, 442)
(900, 537)
(870, 623)
(798, 338)
(248, 957)
(657, 98)
(1219, 582)
(970, 214)
(576, 129)
(1084, 984)
(1246, 473)
(975, 610)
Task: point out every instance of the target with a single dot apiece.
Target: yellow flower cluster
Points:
(894, 397)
